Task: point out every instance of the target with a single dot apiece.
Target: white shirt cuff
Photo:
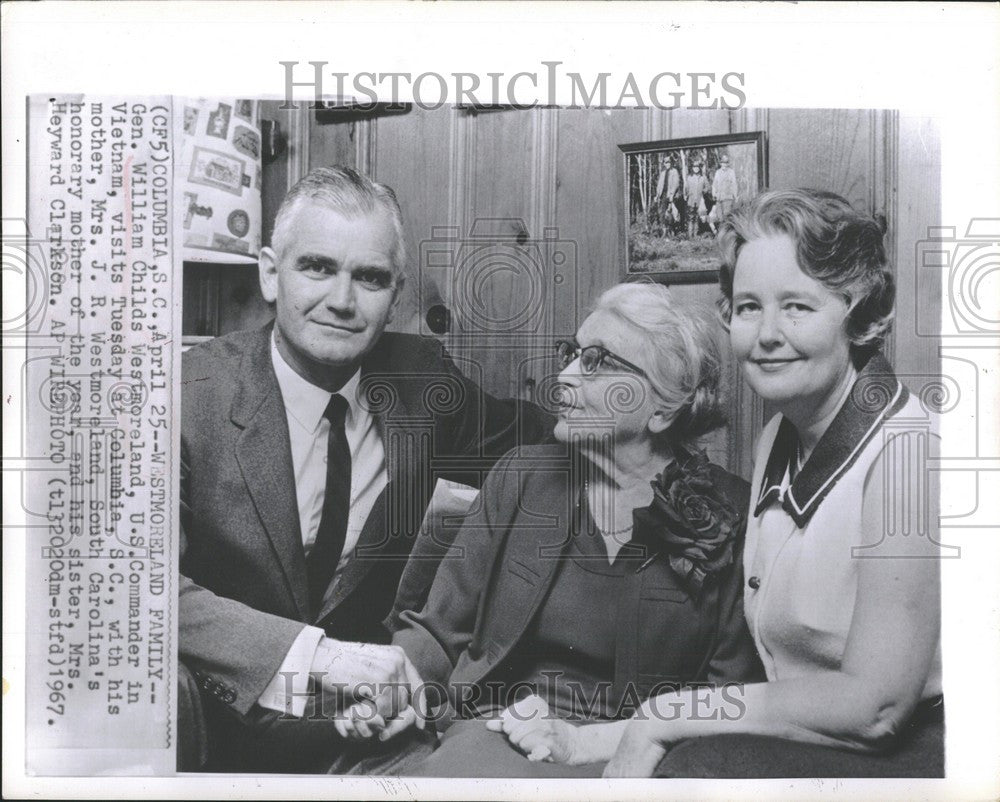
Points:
(288, 690)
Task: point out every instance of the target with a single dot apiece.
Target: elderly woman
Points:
(595, 571)
(844, 611)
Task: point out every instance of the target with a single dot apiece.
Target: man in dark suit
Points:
(310, 449)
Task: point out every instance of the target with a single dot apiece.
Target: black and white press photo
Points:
(562, 428)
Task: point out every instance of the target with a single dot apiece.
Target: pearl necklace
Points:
(609, 532)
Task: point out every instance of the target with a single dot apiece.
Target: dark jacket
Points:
(503, 561)
(243, 587)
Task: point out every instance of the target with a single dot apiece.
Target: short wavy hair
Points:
(678, 352)
(348, 192)
(836, 245)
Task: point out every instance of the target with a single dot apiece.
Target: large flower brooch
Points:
(690, 520)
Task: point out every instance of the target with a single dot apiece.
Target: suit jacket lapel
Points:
(386, 533)
(263, 452)
(387, 396)
(534, 557)
(372, 535)
(530, 547)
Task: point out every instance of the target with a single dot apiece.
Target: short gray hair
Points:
(678, 353)
(346, 191)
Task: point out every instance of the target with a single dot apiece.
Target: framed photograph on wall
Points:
(677, 192)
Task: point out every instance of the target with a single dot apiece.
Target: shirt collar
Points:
(306, 402)
(876, 395)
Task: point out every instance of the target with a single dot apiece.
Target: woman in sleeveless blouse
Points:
(841, 561)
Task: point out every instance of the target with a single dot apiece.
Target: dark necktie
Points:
(326, 550)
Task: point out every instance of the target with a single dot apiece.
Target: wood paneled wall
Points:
(515, 221)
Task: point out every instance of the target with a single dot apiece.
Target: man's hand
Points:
(378, 686)
(353, 672)
(529, 725)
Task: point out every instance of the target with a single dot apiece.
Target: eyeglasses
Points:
(591, 357)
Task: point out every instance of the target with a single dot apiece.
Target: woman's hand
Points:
(532, 728)
(362, 722)
(391, 710)
(638, 753)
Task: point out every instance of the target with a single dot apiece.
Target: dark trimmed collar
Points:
(876, 395)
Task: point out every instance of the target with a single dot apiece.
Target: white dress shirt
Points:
(308, 433)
